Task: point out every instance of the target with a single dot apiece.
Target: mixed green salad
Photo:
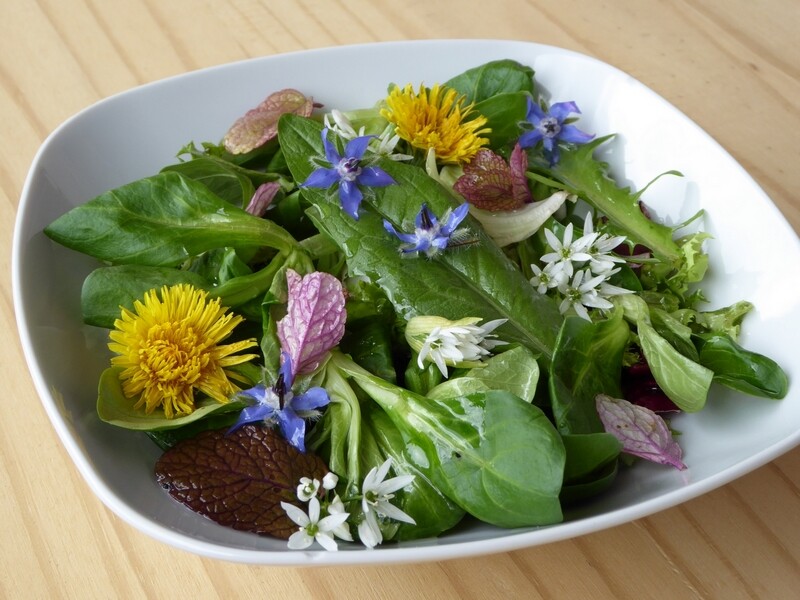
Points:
(368, 325)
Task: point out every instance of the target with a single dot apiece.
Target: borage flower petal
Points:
(430, 235)
(550, 128)
(348, 171)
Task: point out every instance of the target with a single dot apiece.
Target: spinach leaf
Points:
(162, 221)
(587, 454)
(432, 510)
(224, 179)
(493, 78)
(580, 491)
(504, 113)
(684, 381)
(476, 281)
(587, 362)
(492, 453)
(106, 289)
(741, 369)
(515, 371)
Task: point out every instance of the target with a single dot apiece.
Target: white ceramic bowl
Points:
(134, 134)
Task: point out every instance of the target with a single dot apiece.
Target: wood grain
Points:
(733, 67)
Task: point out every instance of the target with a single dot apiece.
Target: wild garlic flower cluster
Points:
(579, 270)
(380, 145)
(461, 343)
(324, 521)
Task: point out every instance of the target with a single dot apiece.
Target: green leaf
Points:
(432, 510)
(741, 369)
(473, 281)
(107, 289)
(227, 180)
(580, 171)
(115, 408)
(515, 371)
(224, 179)
(494, 454)
(493, 78)
(504, 113)
(684, 381)
(587, 362)
(162, 221)
(587, 454)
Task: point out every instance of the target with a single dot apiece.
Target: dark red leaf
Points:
(488, 183)
(239, 479)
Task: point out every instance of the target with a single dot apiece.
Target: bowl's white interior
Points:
(134, 134)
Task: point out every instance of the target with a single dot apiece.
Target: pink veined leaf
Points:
(642, 432)
(260, 125)
(314, 321)
(262, 198)
(518, 165)
(492, 184)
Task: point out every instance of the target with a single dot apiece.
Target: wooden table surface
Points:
(733, 66)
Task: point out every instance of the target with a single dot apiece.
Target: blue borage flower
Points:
(349, 171)
(431, 235)
(279, 405)
(550, 128)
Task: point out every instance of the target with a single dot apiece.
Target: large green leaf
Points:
(107, 289)
(587, 362)
(493, 78)
(162, 221)
(583, 174)
(494, 454)
(477, 280)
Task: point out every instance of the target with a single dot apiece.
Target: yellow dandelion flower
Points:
(169, 346)
(438, 119)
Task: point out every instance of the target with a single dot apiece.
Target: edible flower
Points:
(375, 502)
(565, 251)
(551, 127)
(349, 171)
(312, 528)
(580, 292)
(461, 343)
(436, 118)
(431, 235)
(314, 323)
(168, 346)
(642, 432)
(277, 404)
(382, 145)
(580, 269)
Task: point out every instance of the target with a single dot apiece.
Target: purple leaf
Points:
(314, 321)
(262, 198)
(492, 184)
(260, 125)
(238, 479)
(642, 432)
